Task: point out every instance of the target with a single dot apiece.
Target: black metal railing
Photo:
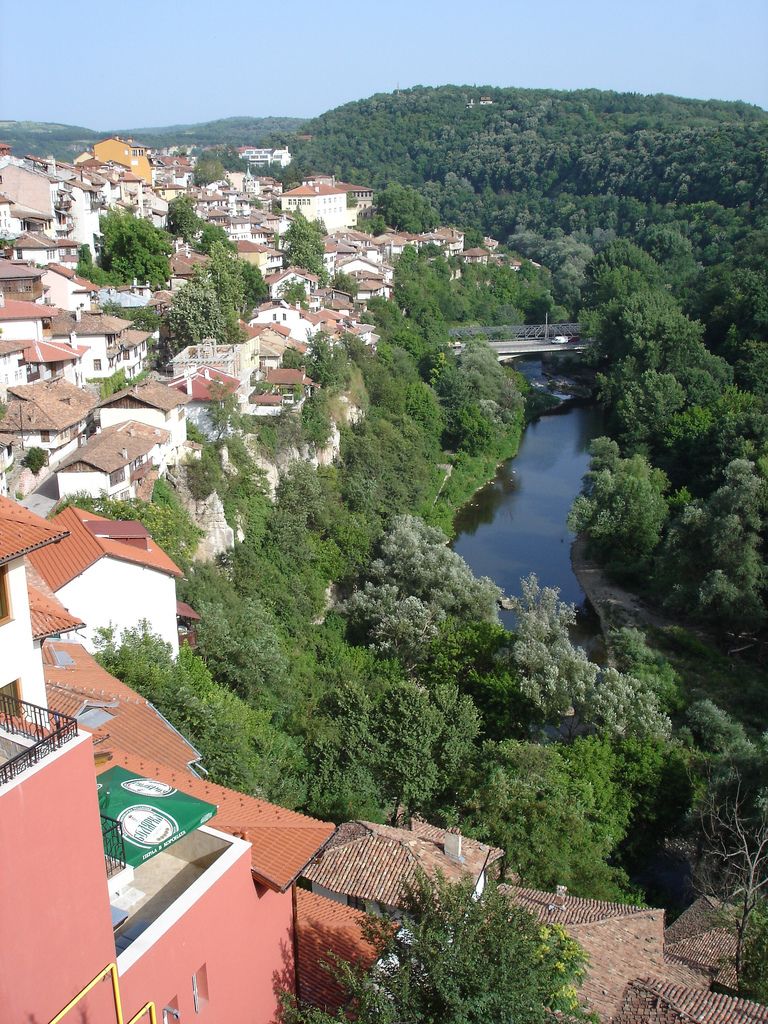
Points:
(114, 844)
(48, 731)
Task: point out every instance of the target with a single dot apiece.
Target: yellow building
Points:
(126, 153)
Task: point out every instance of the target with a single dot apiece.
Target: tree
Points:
(196, 313)
(404, 208)
(223, 409)
(412, 586)
(35, 459)
(734, 867)
(753, 978)
(303, 245)
(294, 292)
(461, 960)
(559, 679)
(183, 222)
(134, 248)
(622, 509)
(209, 169)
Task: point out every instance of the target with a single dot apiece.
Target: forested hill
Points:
(543, 161)
(65, 141)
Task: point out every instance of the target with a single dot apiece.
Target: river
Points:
(516, 524)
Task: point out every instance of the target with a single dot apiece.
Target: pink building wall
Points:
(55, 925)
(242, 936)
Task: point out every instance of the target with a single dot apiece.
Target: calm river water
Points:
(516, 524)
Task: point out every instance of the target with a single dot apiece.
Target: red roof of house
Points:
(650, 1001)
(16, 310)
(50, 352)
(47, 614)
(75, 681)
(327, 930)
(21, 531)
(285, 377)
(198, 384)
(89, 539)
(283, 841)
(315, 190)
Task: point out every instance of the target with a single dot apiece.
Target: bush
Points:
(35, 459)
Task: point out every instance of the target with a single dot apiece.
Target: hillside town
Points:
(192, 897)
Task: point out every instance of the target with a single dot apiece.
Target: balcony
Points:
(27, 734)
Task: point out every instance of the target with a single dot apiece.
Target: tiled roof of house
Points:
(67, 272)
(148, 392)
(376, 862)
(702, 915)
(282, 841)
(650, 1001)
(89, 540)
(21, 531)
(287, 377)
(47, 614)
(315, 190)
(567, 910)
(7, 348)
(75, 682)
(46, 405)
(117, 446)
(50, 352)
(15, 270)
(327, 930)
(623, 942)
(13, 309)
(713, 950)
(89, 324)
(196, 385)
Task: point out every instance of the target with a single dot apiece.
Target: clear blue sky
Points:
(154, 62)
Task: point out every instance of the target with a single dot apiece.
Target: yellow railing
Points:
(110, 969)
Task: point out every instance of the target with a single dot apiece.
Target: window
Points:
(171, 1011)
(200, 988)
(5, 596)
(97, 364)
(45, 435)
(117, 477)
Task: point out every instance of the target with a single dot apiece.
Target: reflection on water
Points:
(516, 524)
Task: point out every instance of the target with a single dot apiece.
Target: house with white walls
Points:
(29, 612)
(154, 404)
(115, 462)
(54, 415)
(66, 290)
(111, 574)
(110, 343)
(321, 202)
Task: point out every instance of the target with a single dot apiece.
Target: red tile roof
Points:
(714, 951)
(21, 531)
(376, 862)
(135, 724)
(315, 190)
(197, 385)
(327, 930)
(15, 310)
(650, 1001)
(49, 352)
(622, 942)
(47, 614)
(84, 546)
(282, 841)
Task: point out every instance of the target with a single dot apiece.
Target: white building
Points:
(109, 343)
(64, 289)
(321, 202)
(111, 574)
(156, 406)
(28, 613)
(264, 156)
(50, 414)
(114, 461)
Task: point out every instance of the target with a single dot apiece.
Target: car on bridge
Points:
(561, 339)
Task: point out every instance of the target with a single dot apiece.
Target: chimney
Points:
(560, 894)
(2, 298)
(188, 384)
(73, 339)
(452, 843)
(124, 454)
(78, 315)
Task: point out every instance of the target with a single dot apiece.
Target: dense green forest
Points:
(558, 174)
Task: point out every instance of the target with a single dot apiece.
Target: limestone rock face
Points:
(218, 535)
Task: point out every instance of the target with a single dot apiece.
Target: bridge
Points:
(525, 339)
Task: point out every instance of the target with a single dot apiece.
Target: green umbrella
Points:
(153, 814)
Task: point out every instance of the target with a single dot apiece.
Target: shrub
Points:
(35, 459)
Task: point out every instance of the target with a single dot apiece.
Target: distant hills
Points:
(65, 141)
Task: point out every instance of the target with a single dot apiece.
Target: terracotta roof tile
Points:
(651, 1001)
(376, 862)
(21, 531)
(702, 915)
(89, 324)
(47, 614)
(148, 392)
(622, 942)
(135, 724)
(13, 309)
(82, 547)
(713, 950)
(282, 841)
(49, 352)
(117, 446)
(327, 930)
(46, 405)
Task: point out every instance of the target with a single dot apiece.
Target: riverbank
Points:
(614, 606)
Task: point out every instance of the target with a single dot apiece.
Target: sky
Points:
(155, 62)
